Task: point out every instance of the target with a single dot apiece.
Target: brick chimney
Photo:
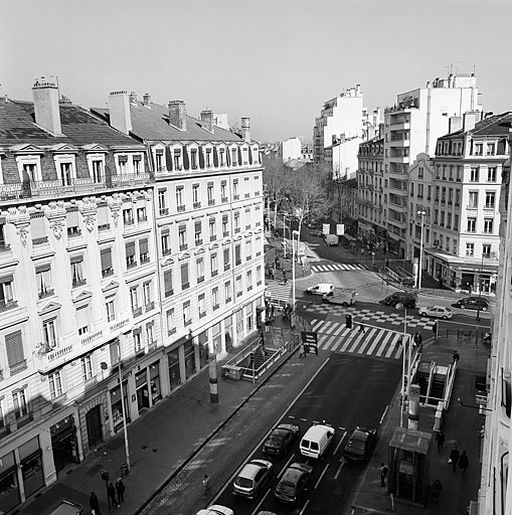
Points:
(46, 106)
(119, 110)
(206, 117)
(470, 119)
(246, 128)
(454, 124)
(178, 114)
(145, 99)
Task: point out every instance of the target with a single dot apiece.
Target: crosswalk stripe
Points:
(357, 339)
(367, 340)
(340, 328)
(329, 342)
(316, 324)
(383, 345)
(392, 347)
(399, 351)
(345, 332)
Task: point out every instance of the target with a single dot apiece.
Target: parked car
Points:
(316, 440)
(216, 509)
(360, 445)
(436, 311)
(294, 482)
(338, 296)
(281, 439)
(332, 240)
(400, 299)
(320, 289)
(472, 303)
(252, 478)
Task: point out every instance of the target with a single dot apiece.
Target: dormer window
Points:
(122, 160)
(233, 157)
(137, 169)
(97, 171)
(177, 160)
(159, 160)
(222, 155)
(208, 158)
(66, 174)
(193, 159)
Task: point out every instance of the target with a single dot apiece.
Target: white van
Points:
(339, 296)
(316, 440)
(320, 289)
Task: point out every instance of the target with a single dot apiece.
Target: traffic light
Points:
(348, 321)
(434, 330)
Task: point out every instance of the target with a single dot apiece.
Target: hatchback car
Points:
(252, 478)
(216, 509)
(281, 439)
(294, 481)
(436, 311)
(472, 303)
(360, 444)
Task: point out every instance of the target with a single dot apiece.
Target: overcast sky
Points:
(276, 61)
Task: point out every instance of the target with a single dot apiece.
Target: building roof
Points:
(491, 126)
(79, 127)
(151, 123)
(375, 140)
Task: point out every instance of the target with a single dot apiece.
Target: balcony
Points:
(4, 247)
(40, 241)
(79, 282)
(46, 292)
(24, 420)
(211, 202)
(107, 272)
(169, 293)
(131, 264)
(5, 305)
(213, 237)
(166, 252)
(225, 234)
(5, 430)
(200, 279)
(74, 232)
(247, 195)
(150, 305)
(183, 246)
(215, 273)
(130, 179)
(236, 197)
(237, 230)
(471, 207)
(224, 199)
(181, 208)
(164, 211)
(136, 311)
(202, 314)
(103, 228)
(198, 241)
(196, 205)
(16, 368)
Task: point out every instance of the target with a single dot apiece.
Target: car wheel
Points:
(399, 305)
(445, 317)
(463, 306)
(345, 304)
(485, 308)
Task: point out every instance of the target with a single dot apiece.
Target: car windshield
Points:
(276, 438)
(356, 445)
(243, 482)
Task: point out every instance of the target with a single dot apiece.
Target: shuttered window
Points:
(168, 283)
(102, 217)
(106, 262)
(37, 227)
(14, 347)
(143, 250)
(184, 276)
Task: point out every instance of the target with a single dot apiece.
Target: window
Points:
(6, 295)
(182, 237)
(177, 164)
(55, 382)
(19, 401)
(197, 233)
(208, 158)
(225, 226)
(66, 174)
(238, 285)
(238, 254)
(479, 149)
(168, 291)
(448, 220)
(247, 218)
(457, 197)
(134, 298)
(436, 216)
(456, 222)
(159, 160)
(233, 157)
(165, 242)
(450, 196)
(223, 192)
(162, 204)
(491, 174)
(30, 171)
(249, 280)
(471, 224)
(443, 195)
(171, 321)
(15, 352)
(49, 334)
(86, 368)
(237, 222)
(227, 291)
(184, 276)
(429, 192)
(259, 277)
(137, 340)
(473, 199)
(474, 174)
(111, 311)
(420, 172)
(141, 214)
(179, 198)
(200, 269)
(128, 216)
(235, 189)
(77, 274)
(215, 297)
(209, 194)
(248, 250)
(131, 262)
(150, 336)
(43, 280)
(143, 251)
(437, 194)
(193, 159)
(491, 149)
(488, 225)
(202, 305)
(136, 164)
(146, 295)
(441, 219)
(82, 320)
(486, 250)
(412, 190)
(420, 190)
(222, 157)
(106, 262)
(490, 199)
(226, 259)
(187, 320)
(195, 196)
(214, 264)
(212, 229)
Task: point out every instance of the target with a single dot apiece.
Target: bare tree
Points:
(276, 183)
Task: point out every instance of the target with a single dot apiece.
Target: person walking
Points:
(454, 457)
(383, 474)
(112, 499)
(120, 488)
(436, 491)
(361, 328)
(272, 310)
(285, 278)
(94, 504)
(455, 356)
(207, 489)
(440, 440)
(463, 461)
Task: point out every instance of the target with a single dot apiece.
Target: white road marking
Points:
(260, 503)
(321, 476)
(285, 466)
(342, 462)
(340, 442)
(367, 341)
(304, 508)
(329, 342)
(383, 415)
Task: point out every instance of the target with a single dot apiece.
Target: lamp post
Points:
(284, 235)
(480, 285)
(292, 321)
(123, 407)
(404, 358)
(420, 264)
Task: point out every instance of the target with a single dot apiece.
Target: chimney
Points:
(46, 106)
(206, 117)
(469, 121)
(221, 120)
(133, 97)
(454, 124)
(119, 111)
(178, 114)
(246, 128)
(145, 99)
(358, 90)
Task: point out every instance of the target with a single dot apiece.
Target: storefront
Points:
(154, 382)
(142, 389)
(239, 327)
(64, 443)
(173, 360)
(228, 333)
(202, 343)
(249, 317)
(190, 359)
(117, 409)
(217, 338)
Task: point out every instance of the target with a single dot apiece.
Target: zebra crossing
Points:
(335, 337)
(336, 267)
(278, 291)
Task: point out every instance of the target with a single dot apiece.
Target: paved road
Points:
(336, 395)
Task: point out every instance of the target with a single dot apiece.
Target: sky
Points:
(276, 61)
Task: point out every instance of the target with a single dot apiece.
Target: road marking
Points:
(321, 476)
(342, 462)
(304, 508)
(261, 502)
(356, 341)
(384, 344)
(367, 341)
(383, 415)
(340, 442)
(303, 419)
(329, 342)
(392, 347)
(285, 466)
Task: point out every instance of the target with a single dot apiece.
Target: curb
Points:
(203, 444)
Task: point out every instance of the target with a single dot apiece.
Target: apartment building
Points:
(412, 126)
(79, 287)
(291, 148)
(464, 251)
(208, 227)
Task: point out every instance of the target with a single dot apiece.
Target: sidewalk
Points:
(161, 442)
(461, 425)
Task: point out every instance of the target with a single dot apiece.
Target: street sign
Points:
(340, 229)
(310, 342)
(326, 228)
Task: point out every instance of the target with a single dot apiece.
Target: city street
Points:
(337, 397)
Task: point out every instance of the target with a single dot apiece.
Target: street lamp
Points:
(480, 286)
(292, 321)
(284, 235)
(123, 407)
(420, 264)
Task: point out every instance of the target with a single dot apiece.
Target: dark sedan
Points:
(360, 445)
(472, 303)
(294, 482)
(281, 439)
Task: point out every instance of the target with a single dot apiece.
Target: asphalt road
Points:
(348, 391)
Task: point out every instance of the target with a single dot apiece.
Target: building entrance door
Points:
(93, 421)
(141, 383)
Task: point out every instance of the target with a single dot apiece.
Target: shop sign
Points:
(406, 468)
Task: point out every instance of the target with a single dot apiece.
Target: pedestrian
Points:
(120, 488)
(207, 489)
(272, 310)
(463, 461)
(302, 353)
(416, 338)
(94, 504)
(111, 494)
(361, 328)
(440, 440)
(272, 272)
(436, 491)
(285, 278)
(383, 474)
(454, 457)
(455, 356)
